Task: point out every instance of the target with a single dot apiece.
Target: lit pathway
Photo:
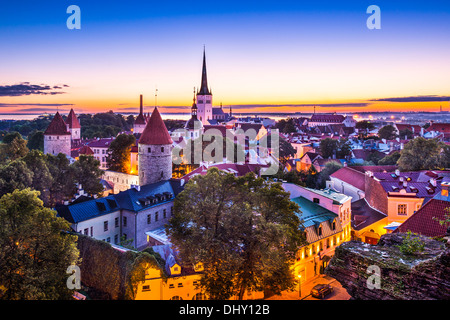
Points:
(339, 293)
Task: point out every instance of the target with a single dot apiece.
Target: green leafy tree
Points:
(331, 147)
(387, 132)
(63, 186)
(9, 137)
(421, 154)
(118, 158)
(15, 175)
(15, 148)
(86, 172)
(42, 181)
(390, 159)
(363, 128)
(330, 168)
(36, 141)
(244, 230)
(35, 251)
(406, 133)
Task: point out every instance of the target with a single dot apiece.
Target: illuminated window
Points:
(401, 210)
(145, 288)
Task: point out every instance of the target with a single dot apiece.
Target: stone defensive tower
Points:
(155, 151)
(57, 139)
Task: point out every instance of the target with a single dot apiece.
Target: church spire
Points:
(194, 108)
(204, 86)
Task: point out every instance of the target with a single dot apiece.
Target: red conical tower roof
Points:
(57, 126)
(155, 131)
(72, 120)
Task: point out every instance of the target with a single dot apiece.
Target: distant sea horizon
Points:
(273, 115)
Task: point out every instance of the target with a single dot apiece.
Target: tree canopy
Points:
(387, 132)
(243, 229)
(35, 251)
(423, 154)
(118, 158)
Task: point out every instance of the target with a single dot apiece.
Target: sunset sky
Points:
(262, 56)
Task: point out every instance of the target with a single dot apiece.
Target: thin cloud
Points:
(26, 88)
(327, 105)
(429, 98)
(10, 105)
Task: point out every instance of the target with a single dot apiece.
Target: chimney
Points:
(433, 182)
(445, 187)
(397, 172)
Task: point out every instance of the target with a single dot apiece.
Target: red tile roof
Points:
(441, 127)
(351, 176)
(57, 126)
(327, 118)
(72, 120)
(423, 222)
(140, 119)
(155, 132)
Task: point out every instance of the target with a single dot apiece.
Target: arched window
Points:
(199, 296)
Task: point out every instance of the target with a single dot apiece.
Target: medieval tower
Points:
(73, 126)
(57, 139)
(155, 151)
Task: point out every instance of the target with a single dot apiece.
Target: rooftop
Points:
(132, 199)
(57, 126)
(155, 132)
(337, 197)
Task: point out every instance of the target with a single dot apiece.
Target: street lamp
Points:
(299, 287)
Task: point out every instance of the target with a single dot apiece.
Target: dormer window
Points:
(319, 231)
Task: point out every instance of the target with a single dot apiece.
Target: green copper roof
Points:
(312, 213)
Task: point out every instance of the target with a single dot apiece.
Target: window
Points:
(319, 231)
(149, 218)
(180, 285)
(116, 239)
(333, 225)
(92, 231)
(105, 226)
(171, 286)
(401, 210)
(86, 231)
(156, 216)
(149, 150)
(108, 239)
(124, 221)
(199, 296)
(316, 200)
(162, 149)
(176, 298)
(164, 213)
(116, 222)
(146, 288)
